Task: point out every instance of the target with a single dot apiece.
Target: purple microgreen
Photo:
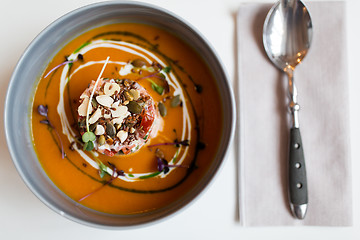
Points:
(176, 142)
(112, 178)
(43, 111)
(149, 76)
(121, 173)
(162, 165)
(58, 66)
(80, 57)
(166, 86)
(45, 122)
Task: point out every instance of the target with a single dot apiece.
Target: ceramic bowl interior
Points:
(34, 61)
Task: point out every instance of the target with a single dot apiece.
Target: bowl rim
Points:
(226, 83)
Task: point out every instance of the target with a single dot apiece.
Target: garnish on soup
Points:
(136, 130)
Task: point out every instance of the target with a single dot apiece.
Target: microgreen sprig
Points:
(157, 88)
(79, 57)
(176, 142)
(102, 168)
(43, 111)
(89, 137)
(160, 75)
(163, 165)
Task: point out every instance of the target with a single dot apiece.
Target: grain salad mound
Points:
(122, 116)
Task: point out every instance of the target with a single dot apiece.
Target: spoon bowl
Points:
(287, 35)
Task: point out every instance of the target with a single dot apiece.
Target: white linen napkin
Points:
(321, 80)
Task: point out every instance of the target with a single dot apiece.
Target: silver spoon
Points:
(287, 36)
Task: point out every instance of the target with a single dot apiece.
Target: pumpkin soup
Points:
(126, 118)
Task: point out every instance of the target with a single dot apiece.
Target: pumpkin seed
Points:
(129, 96)
(138, 63)
(110, 130)
(94, 103)
(101, 140)
(162, 109)
(92, 127)
(175, 101)
(134, 107)
(135, 93)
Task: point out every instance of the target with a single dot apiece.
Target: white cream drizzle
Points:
(144, 54)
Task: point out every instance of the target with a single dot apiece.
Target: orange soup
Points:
(135, 137)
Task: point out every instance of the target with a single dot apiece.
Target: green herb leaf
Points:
(88, 146)
(175, 157)
(82, 46)
(157, 88)
(167, 69)
(162, 76)
(88, 137)
(102, 168)
(130, 175)
(150, 175)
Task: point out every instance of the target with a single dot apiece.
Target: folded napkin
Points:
(264, 120)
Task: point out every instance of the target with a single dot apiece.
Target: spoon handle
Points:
(297, 172)
(297, 175)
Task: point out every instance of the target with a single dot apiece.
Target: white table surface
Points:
(212, 215)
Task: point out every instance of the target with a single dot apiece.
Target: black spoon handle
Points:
(298, 192)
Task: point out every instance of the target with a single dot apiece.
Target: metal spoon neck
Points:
(288, 3)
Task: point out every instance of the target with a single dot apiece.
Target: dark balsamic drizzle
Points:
(172, 63)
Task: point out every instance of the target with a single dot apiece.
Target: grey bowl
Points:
(34, 61)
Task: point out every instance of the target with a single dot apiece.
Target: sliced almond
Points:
(107, 116)
(120, 112)
(122, 135)
(96, 115)
(100, 130)
(105, 100)
(118, 120)
(132, 130)
(84, 95)
(115, 104)
(111, 88)
(82, 109)
(135, 93)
